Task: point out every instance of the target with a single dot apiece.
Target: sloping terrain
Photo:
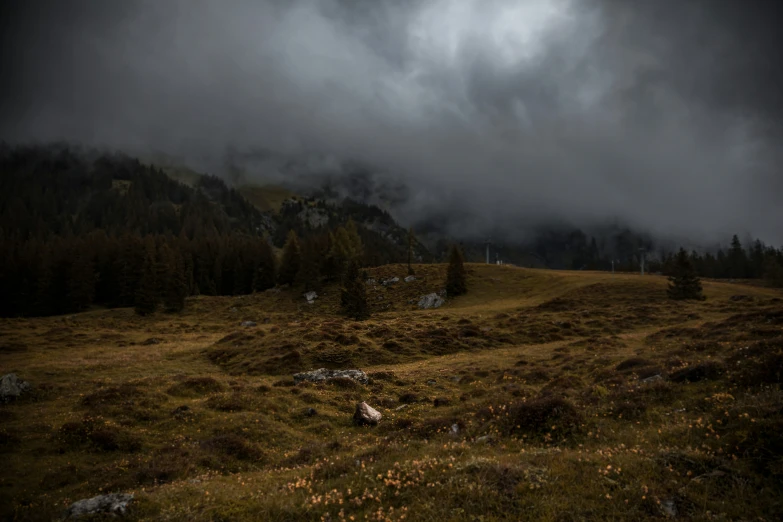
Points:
(538, 395)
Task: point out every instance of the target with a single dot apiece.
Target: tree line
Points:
(759, 261)
(156, 272)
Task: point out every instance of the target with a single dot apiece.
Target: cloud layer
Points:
(496, 112)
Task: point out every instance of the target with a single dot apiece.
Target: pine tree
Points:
(175, 288)
(353, 295)
(684, 284)
(738, 260)
(291, 261)
(265, 273)
(310, 273)
(355, 243)
(773, 272)
(81, 279)
(340, 251)
(147, 291)
(456, 283)
(410, 252)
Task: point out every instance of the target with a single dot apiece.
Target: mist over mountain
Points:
(490, 117)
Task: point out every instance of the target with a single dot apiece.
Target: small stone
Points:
(390, 281)
(669, 508)
(432, 382)
(454, 429)
(310, 296)
(410, 279)
(654, 378)
(366, 415)
(248, 324)
(484, 439)
(398, 408)
(11, 387)
(310, 412)
(114, 503)
(151, 341)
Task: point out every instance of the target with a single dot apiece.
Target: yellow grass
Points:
(106, 412)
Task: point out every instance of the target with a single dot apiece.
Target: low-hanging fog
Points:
(496, 113)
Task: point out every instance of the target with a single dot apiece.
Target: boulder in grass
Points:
(114, 504)
(365, 415)
(322, 375)
(430, 301)
(11, 387)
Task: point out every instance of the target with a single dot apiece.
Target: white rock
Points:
(310, 296)
(410, 279)
(431, 301)
(366, 415)
(11, 387)
(115, 503)
(322, 374)
(248, 323)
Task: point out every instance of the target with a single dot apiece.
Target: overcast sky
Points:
(664, 113)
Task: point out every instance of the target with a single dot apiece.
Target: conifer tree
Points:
(147, 291)
(175, 288)
(683, 283)
(773, 272)
(356, 248)
(81, 279)
(456, 279)
(353, 295)
(341, 251)
(310, 273)
(291, 261)
(331, 264)
(266, 270)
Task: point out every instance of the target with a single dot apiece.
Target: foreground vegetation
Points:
(537, 395)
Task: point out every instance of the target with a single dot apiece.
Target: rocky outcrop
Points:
(114, 504)
(431, 301)
(322, 375)
(366, 415)
(11, 387)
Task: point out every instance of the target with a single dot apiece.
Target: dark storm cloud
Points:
(665, 114)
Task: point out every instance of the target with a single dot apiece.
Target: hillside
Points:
(79, 227)
(539, 395)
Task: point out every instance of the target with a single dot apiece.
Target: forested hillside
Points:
(80, 228)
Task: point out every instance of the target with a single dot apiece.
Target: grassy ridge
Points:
(525, 399)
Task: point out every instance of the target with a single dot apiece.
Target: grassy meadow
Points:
(539, 395)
